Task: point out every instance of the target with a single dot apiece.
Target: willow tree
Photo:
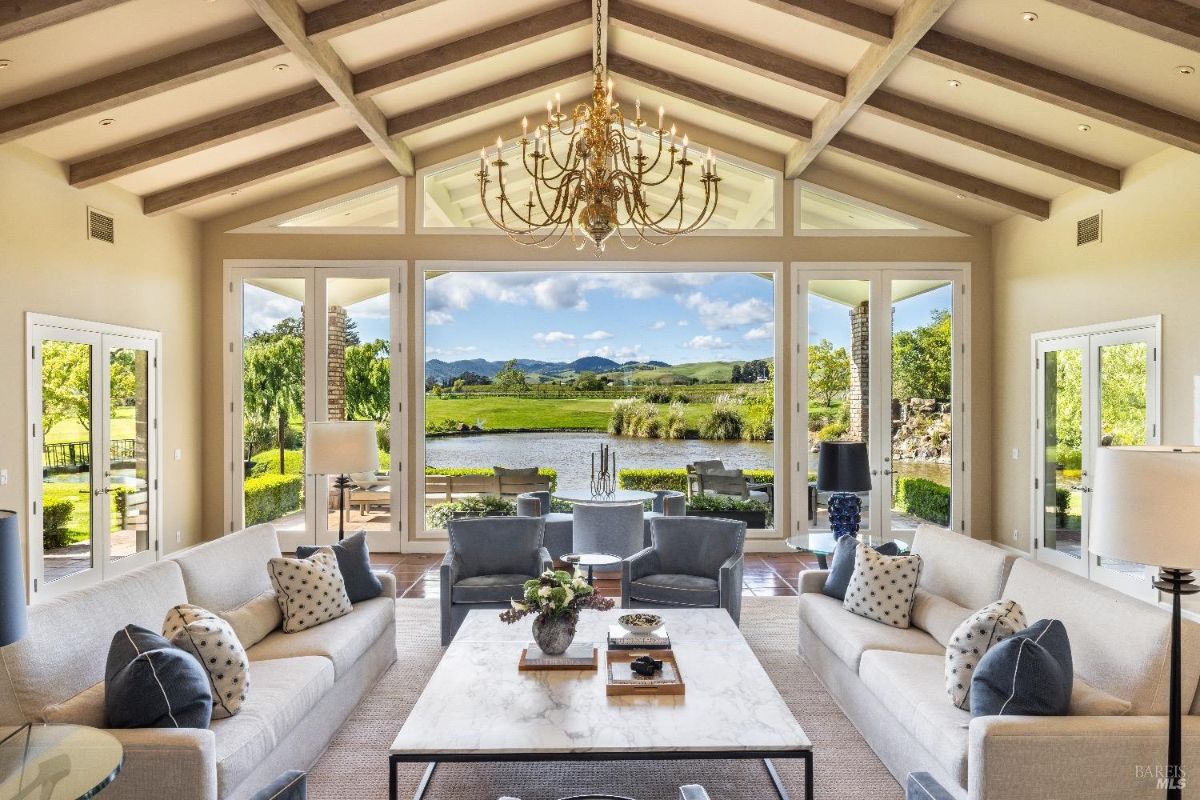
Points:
(273, 385)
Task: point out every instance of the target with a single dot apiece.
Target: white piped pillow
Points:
(309, 590)
(882, 587)
(214, 644)
(993, 623)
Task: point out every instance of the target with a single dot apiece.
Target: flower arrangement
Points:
(557, 594)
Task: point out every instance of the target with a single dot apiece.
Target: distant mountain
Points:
(440, 370)
(593, 364)
(647, 371)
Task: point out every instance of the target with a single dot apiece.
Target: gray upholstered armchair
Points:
(692, 562)
(487, 564)
(558, 525)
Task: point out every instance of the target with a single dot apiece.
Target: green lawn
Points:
(518, 413)
(79, 526)
(69, 430)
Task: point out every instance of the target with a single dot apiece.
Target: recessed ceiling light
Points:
(280, 67)
(1182, 69)
(1029, 16)
(107, 121)
(961, 196)
(954, 83)
(1083, 127)
(5, 63)
(235, 191)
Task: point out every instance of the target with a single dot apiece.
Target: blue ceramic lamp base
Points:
(845, 514)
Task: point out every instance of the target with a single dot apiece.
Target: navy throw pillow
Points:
(291, 785)
(1028, 674)
(354, 562)
(841, 567)
(150, 683)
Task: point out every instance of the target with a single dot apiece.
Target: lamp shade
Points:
(843, 467)
(12, 580)
(1146, 506)
(340, 448)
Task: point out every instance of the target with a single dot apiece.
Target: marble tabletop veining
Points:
(477, 701)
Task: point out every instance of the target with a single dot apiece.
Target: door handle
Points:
(887, 472)
(99, 492)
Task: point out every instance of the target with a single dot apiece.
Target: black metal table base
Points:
(804, 755)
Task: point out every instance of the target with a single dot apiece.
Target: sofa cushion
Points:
(971, 641)
(213, 643)
(490, 589)
(909, 686)
(967, 572)
(1028, 674)
(85, 708)
(1088, 701)
(228, 572)
(309, 590)
(937, 616)
(676, 590)
(150, 683)
(285, 691)
(341, 640)
(882, 587)
(849, 635)
(254, 619)
(354, 562)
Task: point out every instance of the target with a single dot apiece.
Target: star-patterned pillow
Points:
(214, 644)
(993, 623)
(882, 587)
(309, 590)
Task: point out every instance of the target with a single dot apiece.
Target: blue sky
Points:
(561, 316)
(829, 320)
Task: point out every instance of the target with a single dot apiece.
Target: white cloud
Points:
(438, 318)
(658, 326)
(717, 314)
(707, 342)
(597, 335)
(451, 352)
(553, 337)
(683, 323)
(264, 309)
(766, 331)
(622, 354)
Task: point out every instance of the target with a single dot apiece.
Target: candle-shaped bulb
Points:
(482, 160)
(610, 85)
(708, 157)
(549, 111)
(685, 146)
(660, 117)
(499, 146)
(557, 102)
(637, 108)
(524, 126)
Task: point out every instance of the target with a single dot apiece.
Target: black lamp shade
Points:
(843, 467)
(12, 580)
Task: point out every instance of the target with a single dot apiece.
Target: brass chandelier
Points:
(590, 175)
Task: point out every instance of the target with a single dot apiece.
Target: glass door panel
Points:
(1063, 409)
(128, 478)
(920, 426)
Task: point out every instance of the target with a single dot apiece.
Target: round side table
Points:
(57, 762)
(591, 561)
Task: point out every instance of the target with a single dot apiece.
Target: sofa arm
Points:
(811, 580)
(642, 563)
(544, 561)
(450, 569)
(179, 763)
(389, 584)
(1100, 758)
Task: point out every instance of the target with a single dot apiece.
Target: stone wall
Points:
(337, 363)
(859, 396)
(921, 430)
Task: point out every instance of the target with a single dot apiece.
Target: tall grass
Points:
(635, 417)
(673, 426)
(724, 421)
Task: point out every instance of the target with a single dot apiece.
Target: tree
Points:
(510, 378)
(828, 371)
(351, 333)
(588, 382)
(288, 327)
(921, 360)
(273, 385)
(469, 378)
(67, 382)
(368, 381)
(736, 375)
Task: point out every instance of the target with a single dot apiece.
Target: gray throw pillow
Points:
(841, 567)
(150, 683)
(354, 562)
(1028, 674)
(291, 785)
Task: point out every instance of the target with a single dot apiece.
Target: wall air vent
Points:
(1087, 230)
(101, 226)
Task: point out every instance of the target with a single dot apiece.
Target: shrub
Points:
(56, 516)
(648, 480)
(716, 502)
(270, 497)
(832, 431)
(924, 499)
(547, 472)
(439, 516)
(659, 396)
(674, 426)
(634, 417)
(267, 463)
(724, 421)
(758, 417)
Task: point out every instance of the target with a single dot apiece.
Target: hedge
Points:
(269, 497)
(924, 499)
(438, 517)
(546, 472)
(648, 480)
(56, 516)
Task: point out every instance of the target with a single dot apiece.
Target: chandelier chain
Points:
(599, 35)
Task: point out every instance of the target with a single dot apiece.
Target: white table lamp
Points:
(1146, 509)
(341, 448)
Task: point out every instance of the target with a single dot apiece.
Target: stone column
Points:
(337, 363)
(859, 396)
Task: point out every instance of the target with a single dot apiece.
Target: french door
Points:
(94, 453)
(1095, 387)
(884, 366)
(313, 344)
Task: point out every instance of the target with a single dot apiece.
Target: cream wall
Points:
(149, 279)
(220, 246)
(1147, 263)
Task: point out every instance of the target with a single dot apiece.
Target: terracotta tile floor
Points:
(766, 574)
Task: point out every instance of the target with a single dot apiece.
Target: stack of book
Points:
(621, 639)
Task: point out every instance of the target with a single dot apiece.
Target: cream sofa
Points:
(890, 681)
(302, 685)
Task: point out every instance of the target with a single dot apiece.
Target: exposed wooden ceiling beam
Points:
(727, 50)
(1168, 20)
(26, 16)
(199, 136)
(255, 172)
(1053, 87)
(288, 20)
(486, 97)
(914, 19)
(471, 49)
(136, 83)
(996, 141)
(841, 15)
(352, 15)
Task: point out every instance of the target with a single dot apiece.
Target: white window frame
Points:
(271, 224)
(924, 228)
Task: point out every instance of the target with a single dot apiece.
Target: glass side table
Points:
(591, 561)
(822, 545)
(57, 762)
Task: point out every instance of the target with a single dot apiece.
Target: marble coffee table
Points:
(478, 708)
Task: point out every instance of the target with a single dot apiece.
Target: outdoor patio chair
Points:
(666, 503)
(559, 526)
(488, 562)
(369, 490)
(512, 482)
(692, 562)
(729, 483)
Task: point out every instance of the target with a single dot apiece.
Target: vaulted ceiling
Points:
(987, 107)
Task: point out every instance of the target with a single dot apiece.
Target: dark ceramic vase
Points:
(553, 633)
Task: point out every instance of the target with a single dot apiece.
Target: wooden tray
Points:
(667, 682)
(567, 661)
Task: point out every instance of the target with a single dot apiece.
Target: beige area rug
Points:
(355, 765)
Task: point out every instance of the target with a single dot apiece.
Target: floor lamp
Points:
(342, 448)
(1146, 509)
(13, 618)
